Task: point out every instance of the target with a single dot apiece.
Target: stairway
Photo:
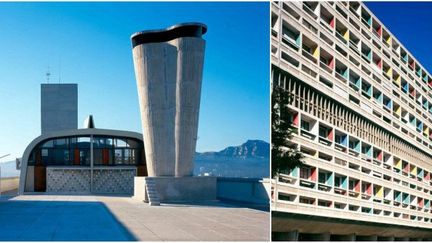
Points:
(152, 194)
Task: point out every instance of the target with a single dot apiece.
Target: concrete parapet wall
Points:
(179, 189)
(244, 190)
(9, 184)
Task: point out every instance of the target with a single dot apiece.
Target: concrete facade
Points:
(361, 109)
(168, 68)
(59, 107)
(76, 179)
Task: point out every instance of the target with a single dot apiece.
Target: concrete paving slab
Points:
(106, 218)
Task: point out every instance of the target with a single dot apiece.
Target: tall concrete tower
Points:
(168, 68)
(59, 107)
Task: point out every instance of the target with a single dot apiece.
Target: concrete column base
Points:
(285, 236)
(178, 189)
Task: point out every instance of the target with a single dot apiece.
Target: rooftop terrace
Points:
(108, 218)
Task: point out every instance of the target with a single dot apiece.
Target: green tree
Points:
(284, 156)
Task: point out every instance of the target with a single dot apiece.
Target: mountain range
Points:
(250, 159)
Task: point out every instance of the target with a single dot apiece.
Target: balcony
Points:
(341, 141)
(366, 18)
(366, 152)
(342, 32)
(354, 7)
(377, 29)
(378, 96)
(325, 135)
(366, 89)
(341, 71)
(366, 53)
(354, 146)
(355, 81)
(274, 24)
(311, 8)
(291, 36)
(327, 19)
(308, 127)
(310, 49)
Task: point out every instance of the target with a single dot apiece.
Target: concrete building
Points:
(68, 160)
(361, 107)
(59, 107)
(168, 67)
(83, 161)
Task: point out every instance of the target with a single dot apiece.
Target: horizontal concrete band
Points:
(284, 222)
(171, 33)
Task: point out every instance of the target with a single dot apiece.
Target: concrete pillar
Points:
(386, 238)
(285, 236)
(168, 69)
(401, 239)
(367, 238)
(350, 237)
(322, 237)
(188, 93)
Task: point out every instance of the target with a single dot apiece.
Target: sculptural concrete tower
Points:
(168, 67)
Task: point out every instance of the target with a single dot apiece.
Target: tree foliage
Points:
(285, 156)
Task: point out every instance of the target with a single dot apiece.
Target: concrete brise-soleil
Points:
(168, 67)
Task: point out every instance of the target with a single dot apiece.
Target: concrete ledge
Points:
(248, 190)
(178, 189)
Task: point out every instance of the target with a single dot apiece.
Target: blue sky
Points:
(410, 22)
(89, 44)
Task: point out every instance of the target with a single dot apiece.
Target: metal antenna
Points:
(59, 70)
(48, 74)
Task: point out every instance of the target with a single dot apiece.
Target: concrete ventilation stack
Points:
(88, 122)
(59, 107)
(168, 67)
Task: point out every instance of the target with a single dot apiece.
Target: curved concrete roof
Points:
(192, 29)
(68, 133)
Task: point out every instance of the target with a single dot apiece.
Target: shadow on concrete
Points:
(23, 220)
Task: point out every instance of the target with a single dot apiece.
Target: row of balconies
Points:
(302, 198)
(318, 131)
(341, 71)
(379, 33)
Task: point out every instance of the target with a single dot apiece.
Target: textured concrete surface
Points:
(244, 190)
(45, 217)
(190, 63)
(168, 76)
(155, 72)
(9, 184)
(59, 107)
